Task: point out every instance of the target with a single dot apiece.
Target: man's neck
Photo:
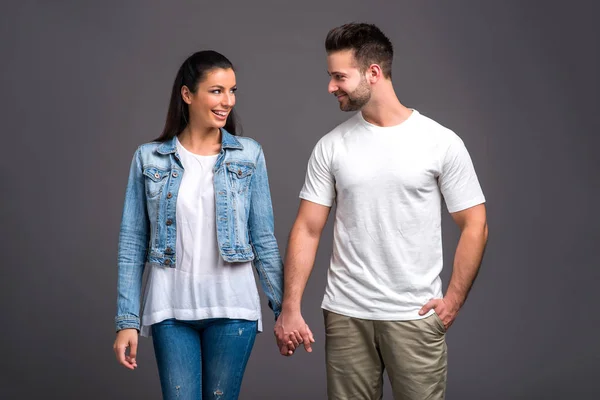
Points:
(385, 109)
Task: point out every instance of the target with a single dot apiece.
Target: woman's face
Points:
(213, 100)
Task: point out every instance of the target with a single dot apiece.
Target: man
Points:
(387, 168)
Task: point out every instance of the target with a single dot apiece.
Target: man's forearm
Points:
(299, 261)
(467, 261)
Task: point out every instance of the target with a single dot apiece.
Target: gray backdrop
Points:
(84, 83)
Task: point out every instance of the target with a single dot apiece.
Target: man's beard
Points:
(358, 98)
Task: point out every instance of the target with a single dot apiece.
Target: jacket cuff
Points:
(276, 310)
(127, 322)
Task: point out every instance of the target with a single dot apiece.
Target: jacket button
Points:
(167, 262)
(239, 172)
(168, 250)
(169, 195)
(169, 222)
(174, 174)
(157, 175)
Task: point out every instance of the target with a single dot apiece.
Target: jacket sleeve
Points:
(133, 247)
(261, 226)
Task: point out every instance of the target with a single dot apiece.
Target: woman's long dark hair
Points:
(193, 71)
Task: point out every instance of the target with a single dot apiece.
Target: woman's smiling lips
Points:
(220, 114)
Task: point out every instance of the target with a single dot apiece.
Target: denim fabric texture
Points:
(244, 218)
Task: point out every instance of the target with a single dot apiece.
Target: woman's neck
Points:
(201, 141)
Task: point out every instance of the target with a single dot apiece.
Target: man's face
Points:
(347, 83)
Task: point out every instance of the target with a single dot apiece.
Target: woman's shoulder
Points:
(149, 146)
(248, 142)
(251, 147)
(149, 151)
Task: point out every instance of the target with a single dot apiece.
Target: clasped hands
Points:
(290, 332)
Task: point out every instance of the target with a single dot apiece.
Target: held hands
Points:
(444, 308)
(126, 338)
(290, 332)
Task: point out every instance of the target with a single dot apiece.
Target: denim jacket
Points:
(244, 218)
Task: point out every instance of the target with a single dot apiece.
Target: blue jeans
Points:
(202, 359)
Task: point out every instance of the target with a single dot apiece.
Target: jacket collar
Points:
(228, 141)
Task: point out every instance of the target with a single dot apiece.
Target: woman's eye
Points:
(216, 91)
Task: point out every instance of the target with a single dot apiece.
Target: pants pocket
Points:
(439, 322)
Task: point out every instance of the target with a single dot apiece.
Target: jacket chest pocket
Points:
(239, 175)
(156, 179)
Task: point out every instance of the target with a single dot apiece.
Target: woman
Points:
(198, 211)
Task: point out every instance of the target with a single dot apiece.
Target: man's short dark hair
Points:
(369, 44)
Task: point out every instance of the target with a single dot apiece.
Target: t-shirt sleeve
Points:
(458, 181)
(319, 184)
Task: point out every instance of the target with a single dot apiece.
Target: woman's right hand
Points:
(126, 338)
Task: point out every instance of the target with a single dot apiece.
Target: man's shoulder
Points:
(340, 131)
(431, 127)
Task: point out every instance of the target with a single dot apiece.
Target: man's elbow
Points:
(304, 230)
(476, 229)
(485, 232)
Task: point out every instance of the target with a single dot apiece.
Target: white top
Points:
(202, 285)
(388, 184)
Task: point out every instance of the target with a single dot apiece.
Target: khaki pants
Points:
(358, 351)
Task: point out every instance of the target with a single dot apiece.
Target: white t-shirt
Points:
(202, 285)
(388, 184)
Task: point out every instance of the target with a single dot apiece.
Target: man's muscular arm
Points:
(467, 260)
(300, 258)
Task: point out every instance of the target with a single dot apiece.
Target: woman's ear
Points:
(186, 94)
